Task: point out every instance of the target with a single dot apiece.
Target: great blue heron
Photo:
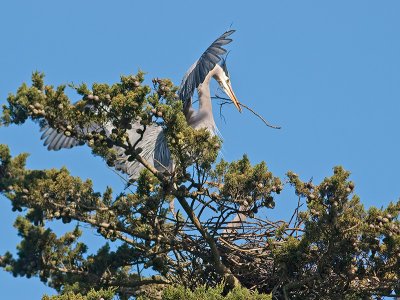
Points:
(210, 65)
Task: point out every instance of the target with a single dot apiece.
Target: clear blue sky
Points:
(328, 73)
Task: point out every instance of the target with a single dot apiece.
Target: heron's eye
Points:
(227, 81)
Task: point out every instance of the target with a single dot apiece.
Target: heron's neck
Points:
(205, 106)
(203, 117)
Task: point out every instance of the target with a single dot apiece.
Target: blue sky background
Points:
(328, 73)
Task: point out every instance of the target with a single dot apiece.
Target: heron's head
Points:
(221, 75)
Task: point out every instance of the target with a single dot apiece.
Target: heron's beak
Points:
(228, 90)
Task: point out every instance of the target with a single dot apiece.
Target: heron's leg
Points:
(172, 208)
(172, 205)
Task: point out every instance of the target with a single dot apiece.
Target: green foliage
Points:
(331, 247)
(241, 182)
(359, 248)
(91, 295)
(202, 293)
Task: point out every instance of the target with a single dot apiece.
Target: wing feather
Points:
(154, 150)
(199, 70)
(51, 137)
(55, 140)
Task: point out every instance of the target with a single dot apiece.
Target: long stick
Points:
(248, 108)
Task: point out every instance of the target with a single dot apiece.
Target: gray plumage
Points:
(154, 149)
(56, 141)
(154, 145)
(202, 67)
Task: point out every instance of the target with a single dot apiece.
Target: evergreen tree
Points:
(331, 248)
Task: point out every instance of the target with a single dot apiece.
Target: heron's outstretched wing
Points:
(154, 149)
(199, 70)
(55, 140)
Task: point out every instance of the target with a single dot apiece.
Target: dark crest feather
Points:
(223, 65)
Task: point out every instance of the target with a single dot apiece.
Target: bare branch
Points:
(228, 101)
